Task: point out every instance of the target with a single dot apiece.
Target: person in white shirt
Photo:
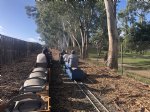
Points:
(41, 59)
(73, 60)
(65, 57)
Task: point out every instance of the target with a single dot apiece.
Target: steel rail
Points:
(96, 103)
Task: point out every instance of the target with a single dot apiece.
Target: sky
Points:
(15, 23)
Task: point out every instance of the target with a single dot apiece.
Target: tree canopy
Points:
(79, 24)
(62, 23)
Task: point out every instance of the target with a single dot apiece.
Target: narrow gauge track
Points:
(91, 97)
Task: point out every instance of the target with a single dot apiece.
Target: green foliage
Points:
(99, 35)
(136, 10)
(58, 20)
(134, 26)
(139, 37)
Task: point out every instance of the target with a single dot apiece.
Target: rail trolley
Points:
(34, 93)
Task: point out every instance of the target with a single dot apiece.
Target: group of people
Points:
(71, 60)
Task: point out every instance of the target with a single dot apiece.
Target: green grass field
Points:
(132, 62)
(136, 61)
(92, 53)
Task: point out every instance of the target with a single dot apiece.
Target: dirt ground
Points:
(143, 73)
(121, 93)
(117, 93)
(12, 77)
(65, 95)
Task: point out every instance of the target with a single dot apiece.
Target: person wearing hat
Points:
(73, 60)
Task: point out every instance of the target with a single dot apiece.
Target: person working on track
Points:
(73, 60)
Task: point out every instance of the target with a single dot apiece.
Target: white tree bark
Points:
(112, 61)
(77, 42)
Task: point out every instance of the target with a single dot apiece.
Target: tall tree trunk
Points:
(77, 42)
(67, 42)
(112, 61)
(82, 32)
(73, 42)
(82, 48)
(86, 46)
(66, 39)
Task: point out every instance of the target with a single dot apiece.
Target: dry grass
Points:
(143, 73)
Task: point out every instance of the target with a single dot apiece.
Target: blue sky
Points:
(122, 5)
(15, 23)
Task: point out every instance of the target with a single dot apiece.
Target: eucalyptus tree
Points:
(140, 37)
(83, 15)
(57, 19)
(70, 18)
(139, 9)
(99, 35)
(48, 21)
(135, 11)
(54, 20)
(112, 61)
(134, 14)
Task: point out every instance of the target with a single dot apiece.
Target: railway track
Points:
(91, 97)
